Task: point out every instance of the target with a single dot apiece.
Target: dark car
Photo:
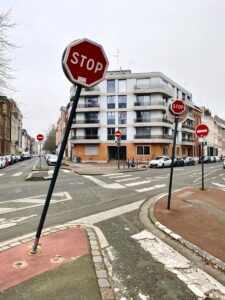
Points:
(189, 161)
(178, 162)
(206, 160)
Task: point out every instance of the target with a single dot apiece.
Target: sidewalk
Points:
(197, 219)
(68, 265)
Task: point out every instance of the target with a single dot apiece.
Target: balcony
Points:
(88, 107)
(150, 138)
(87, 139)
(188, 141)
(86, 123)
(191, 116)
(187, 128)
(154, 122)
(92, 91)
(153, 88)
(150, 105)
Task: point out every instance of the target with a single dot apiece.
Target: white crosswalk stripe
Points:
(151, 188)
(17, 174)
(2, 174)
(219, 184)
(120, 176)
(138, 183)
(127, 179)
(112, 174)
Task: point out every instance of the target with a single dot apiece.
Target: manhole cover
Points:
(20, 264)
(57, 259)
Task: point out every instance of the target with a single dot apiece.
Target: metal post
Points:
(171, 168)
(40, 155)
(56, 170)
(118, 152)
(202, 166)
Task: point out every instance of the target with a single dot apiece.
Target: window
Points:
(143, 116)
(143, 81)
(110, 134)
(111, 117)
(91, 117)
(91, 133)
(178, 151)
(91, 150)
(144, 99)
(111, 101)
(122, 101)
(91, 102)
(124, 133)
(111, 86)
(122, 86)
(143, 150)
(143, 132)
(122, 117)
(165, 150)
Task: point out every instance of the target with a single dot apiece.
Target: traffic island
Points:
(38, 176)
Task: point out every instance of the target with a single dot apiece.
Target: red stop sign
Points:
(118, 133)
(201, 130)
(85, 62)
(177, 107)
(40, 137)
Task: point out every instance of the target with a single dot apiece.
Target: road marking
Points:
(4, 223)
(151, 188)
(17, 174)
(200, 178)
(66, 171)
(127, 179)
(2, 174)
(198, 281)
(138, 183)
(38, 200)
(219, 184)
(103, 184)
(112, 174)
(120, 176)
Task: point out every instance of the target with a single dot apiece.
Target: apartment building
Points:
(16, 126)
(5, 126)
(60, 129)
(135, 104)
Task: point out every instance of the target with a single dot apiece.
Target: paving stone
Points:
(107, 294)
(95, 253)
(101, 274)
(103, 283)
(97, 259)
(99, 266)
(95, 247)
(93, 243)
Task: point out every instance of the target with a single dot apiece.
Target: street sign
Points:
(177, 107)
(85, 62)
(118, 133)
(201, 130)
(40, 137)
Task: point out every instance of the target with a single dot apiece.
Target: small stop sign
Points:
(85, 62)
(177, 107)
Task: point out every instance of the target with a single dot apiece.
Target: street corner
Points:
(55, 249)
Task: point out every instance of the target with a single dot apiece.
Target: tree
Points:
(50, 142)
(5, 47)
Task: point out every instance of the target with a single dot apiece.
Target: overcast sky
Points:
(184, 39)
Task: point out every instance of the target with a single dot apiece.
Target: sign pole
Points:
(40, 155)
(202, 167)
(118, 152)
(56, 170)
(172, 163)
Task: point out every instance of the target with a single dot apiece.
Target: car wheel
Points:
(162, 166)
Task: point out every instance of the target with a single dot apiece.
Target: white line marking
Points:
(151, 188)
(198, 281)
(17, 174)
(112, 174)
(2, 174)
(66, 171)
(138, 183)
(103, 184)
(120, 176)
(219, 184)
(127, 179)
(13, 222)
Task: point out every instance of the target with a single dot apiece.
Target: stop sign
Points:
(201, 130)
(85, 62)
(118, 133)
(177, 107)
(40, 137)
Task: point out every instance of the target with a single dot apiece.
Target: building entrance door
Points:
(112, 153)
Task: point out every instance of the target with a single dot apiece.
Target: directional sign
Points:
(85, 62)
(201, 130)
(177, 107)
(118, 133)
(40, 137)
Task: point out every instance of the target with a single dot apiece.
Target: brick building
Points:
(5, 126)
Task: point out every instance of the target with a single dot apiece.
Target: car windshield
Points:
(159, 157)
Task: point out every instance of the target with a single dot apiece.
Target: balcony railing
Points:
(188, 127)
(85, 137)
(146, 120)
(110, 105)
(152, 87)
(148, 103)
(151, 136)
(190, 140)
(94, 121)
(88, 105)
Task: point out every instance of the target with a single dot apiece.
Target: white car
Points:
(52, 160)
(224, 164)
(160, 162)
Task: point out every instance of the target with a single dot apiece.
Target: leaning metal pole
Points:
(56, 170)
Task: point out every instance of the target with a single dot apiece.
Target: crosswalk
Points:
(17, 174)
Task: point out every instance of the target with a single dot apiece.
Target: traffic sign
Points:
(201, 130)
(85, 62)
(118, 133)
(40, 137)
(177, 107)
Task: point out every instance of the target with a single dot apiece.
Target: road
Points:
(76, 196)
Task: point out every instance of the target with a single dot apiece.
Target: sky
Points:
(184, 39)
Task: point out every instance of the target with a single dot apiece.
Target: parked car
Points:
(19, 157)
(212, 159)
(160, 162)
(2, 162)
(178, 162)
(189, 161)
(206, 160)
(9, 158)
(52, 160)
(26, 155)
(14, 159)
(218, 158)
(224, 163)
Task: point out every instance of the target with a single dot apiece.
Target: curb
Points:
(216, 262)
(96, 243)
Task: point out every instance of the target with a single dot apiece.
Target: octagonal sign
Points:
(85, 62)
